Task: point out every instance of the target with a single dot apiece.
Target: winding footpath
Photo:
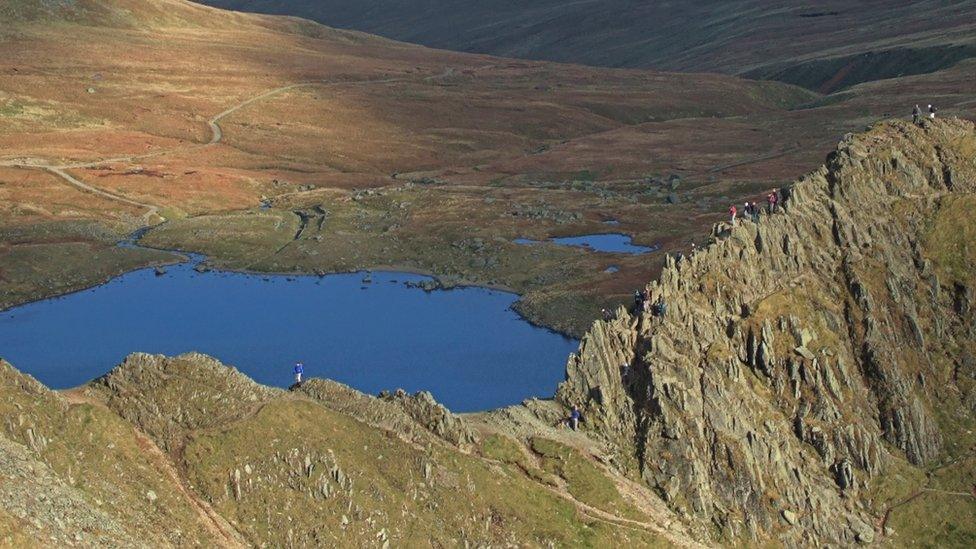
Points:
(216, 136)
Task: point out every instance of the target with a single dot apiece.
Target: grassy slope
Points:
(936, 509)
(409, 493)
(279, 468)
(100, 462)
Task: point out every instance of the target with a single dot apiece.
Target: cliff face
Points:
(805, 357)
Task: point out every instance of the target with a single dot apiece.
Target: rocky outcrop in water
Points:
(803, 356)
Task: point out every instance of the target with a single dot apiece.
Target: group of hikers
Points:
(643, 304)
(642, 299)
(751, 210)
(917, 114)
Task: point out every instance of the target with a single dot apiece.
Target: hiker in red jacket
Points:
(772, 199)
(732, 212)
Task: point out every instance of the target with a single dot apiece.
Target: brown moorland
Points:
(116, 114)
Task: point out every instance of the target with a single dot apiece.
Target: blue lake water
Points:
(608, 242)
(466, 346)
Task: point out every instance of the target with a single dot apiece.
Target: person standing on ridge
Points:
(574, 418)
(732, 212)
(299, 370)
(773, 198)
(932, 112)
(916, 115)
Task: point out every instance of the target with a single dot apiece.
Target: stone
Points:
(789, 517)
(804, 352)
(864, 534)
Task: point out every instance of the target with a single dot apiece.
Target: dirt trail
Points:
(151, 210)
(223, 533)
(662, 525)
(927, 487)
(216, 136)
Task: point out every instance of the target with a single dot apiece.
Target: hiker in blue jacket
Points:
(299, 370)
(574, 418)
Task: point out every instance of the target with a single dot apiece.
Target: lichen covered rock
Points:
(800, 355)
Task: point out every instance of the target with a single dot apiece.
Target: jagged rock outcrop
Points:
(209, 393)
(800, 356)
(413, 417)
(434, 416)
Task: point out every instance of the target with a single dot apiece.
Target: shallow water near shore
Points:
(466, 346)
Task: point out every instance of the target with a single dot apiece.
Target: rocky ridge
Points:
(804, 363)
(803, 357)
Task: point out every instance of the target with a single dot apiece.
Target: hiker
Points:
(299, 370)
(916, 115)
(607, 315)
(932, 112)
(574, 418)
(754, 210)
(732, 212)
(773, 198)
(624, 371)
(638, 301)
(662, 308)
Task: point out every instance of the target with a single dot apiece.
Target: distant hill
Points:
(826, 47)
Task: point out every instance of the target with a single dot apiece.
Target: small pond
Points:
(466, 346)
(606, 242)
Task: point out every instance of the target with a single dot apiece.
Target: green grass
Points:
(938, 518)
(463, 498)
(504, 449)
(951, 239)
(584, 480)
(96, 452)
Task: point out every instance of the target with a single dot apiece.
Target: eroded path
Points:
(222, 531)
(216, 136)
